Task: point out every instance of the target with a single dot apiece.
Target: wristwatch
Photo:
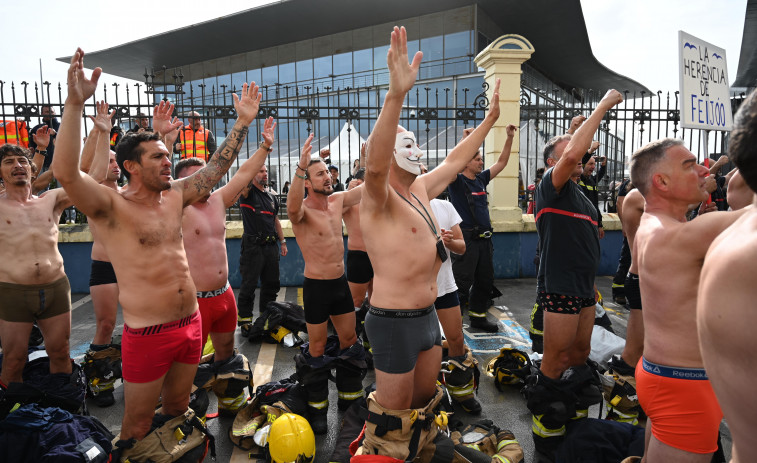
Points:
(265, 147)
(42, 152)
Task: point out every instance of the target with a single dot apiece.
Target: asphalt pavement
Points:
(506, 408)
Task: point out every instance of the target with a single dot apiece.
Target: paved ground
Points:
(507, 408)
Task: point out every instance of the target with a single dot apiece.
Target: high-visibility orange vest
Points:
(194, 144)
(14, 133)
(113, 139)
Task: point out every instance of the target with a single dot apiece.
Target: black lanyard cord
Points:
(428, 220)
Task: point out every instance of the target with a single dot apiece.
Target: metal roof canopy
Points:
(556, 28)
(746, 76)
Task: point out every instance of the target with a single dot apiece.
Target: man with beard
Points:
(259, 256)
(140, 229)
(317, 225)
(33, 283)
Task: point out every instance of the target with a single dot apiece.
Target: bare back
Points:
(144, 244)
(204, 228)
(402, 250)
(669, 277)
(29, 236)
(633, 208)
(726, 321)
(351, 218)
(319, 236)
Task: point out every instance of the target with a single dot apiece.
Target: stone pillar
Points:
(503, 59)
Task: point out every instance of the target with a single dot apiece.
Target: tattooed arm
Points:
(243, 180)
(201, 182)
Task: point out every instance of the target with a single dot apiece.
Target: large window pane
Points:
(432, 48)
(457, 44)
(343, 63)
(363, 60)
(305, 70)
(322, 67)
(286, 73)
(270, 75)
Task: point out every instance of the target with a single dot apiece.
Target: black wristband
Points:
(42, 152)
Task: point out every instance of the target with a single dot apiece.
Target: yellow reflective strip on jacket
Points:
(505, 442)
(460, 390)
(502, 459)
(540, 430)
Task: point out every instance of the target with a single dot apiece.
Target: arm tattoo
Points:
(220, 162)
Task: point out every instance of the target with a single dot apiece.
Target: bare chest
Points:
(201, 222)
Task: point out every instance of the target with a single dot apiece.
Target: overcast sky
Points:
(637, 39)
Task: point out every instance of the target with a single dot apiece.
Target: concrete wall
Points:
(513, 253)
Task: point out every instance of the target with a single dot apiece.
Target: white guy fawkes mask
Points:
(407, 153)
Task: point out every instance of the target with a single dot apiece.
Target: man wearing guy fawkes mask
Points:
(402, 238)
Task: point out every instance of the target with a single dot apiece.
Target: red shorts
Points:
(681, 405)
(219, 311)
(148, 353)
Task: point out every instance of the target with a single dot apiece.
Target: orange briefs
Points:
(681, 405)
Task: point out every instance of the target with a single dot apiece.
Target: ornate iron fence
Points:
(639, 119)
(340, 118)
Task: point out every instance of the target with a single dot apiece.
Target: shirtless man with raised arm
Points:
(33, 284)
(140, 230)
(204, 226)
(359, 268)
(317, 225)
(204, 229)
(403, 241)
(672, 386)
(725, 309)
(102, 361)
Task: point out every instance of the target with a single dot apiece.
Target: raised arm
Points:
(504, 156)
(98, 160)
(402, 75)
(243, 179)
(297, 189)
(581, 140)
(722, 160)
(444, 174)
(84, 191)
(42, 140)
(164, 125)
(201, 182)
(352, 196)
(280, 235)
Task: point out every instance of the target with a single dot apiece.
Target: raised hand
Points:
(268, 131)
(79, 87)
(494, 108)
(402, 75)
(467, 131)
(161, 118)
(511, 129)
(42, 137)
(576, 122)
(305, 153)
(248, 105)
(102, 118)
(611, 98)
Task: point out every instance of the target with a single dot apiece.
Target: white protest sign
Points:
(705, 96)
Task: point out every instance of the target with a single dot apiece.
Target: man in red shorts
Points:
(141, 232)
(204, 230)
(673, 388)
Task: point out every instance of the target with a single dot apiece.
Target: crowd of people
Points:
(414, 263)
